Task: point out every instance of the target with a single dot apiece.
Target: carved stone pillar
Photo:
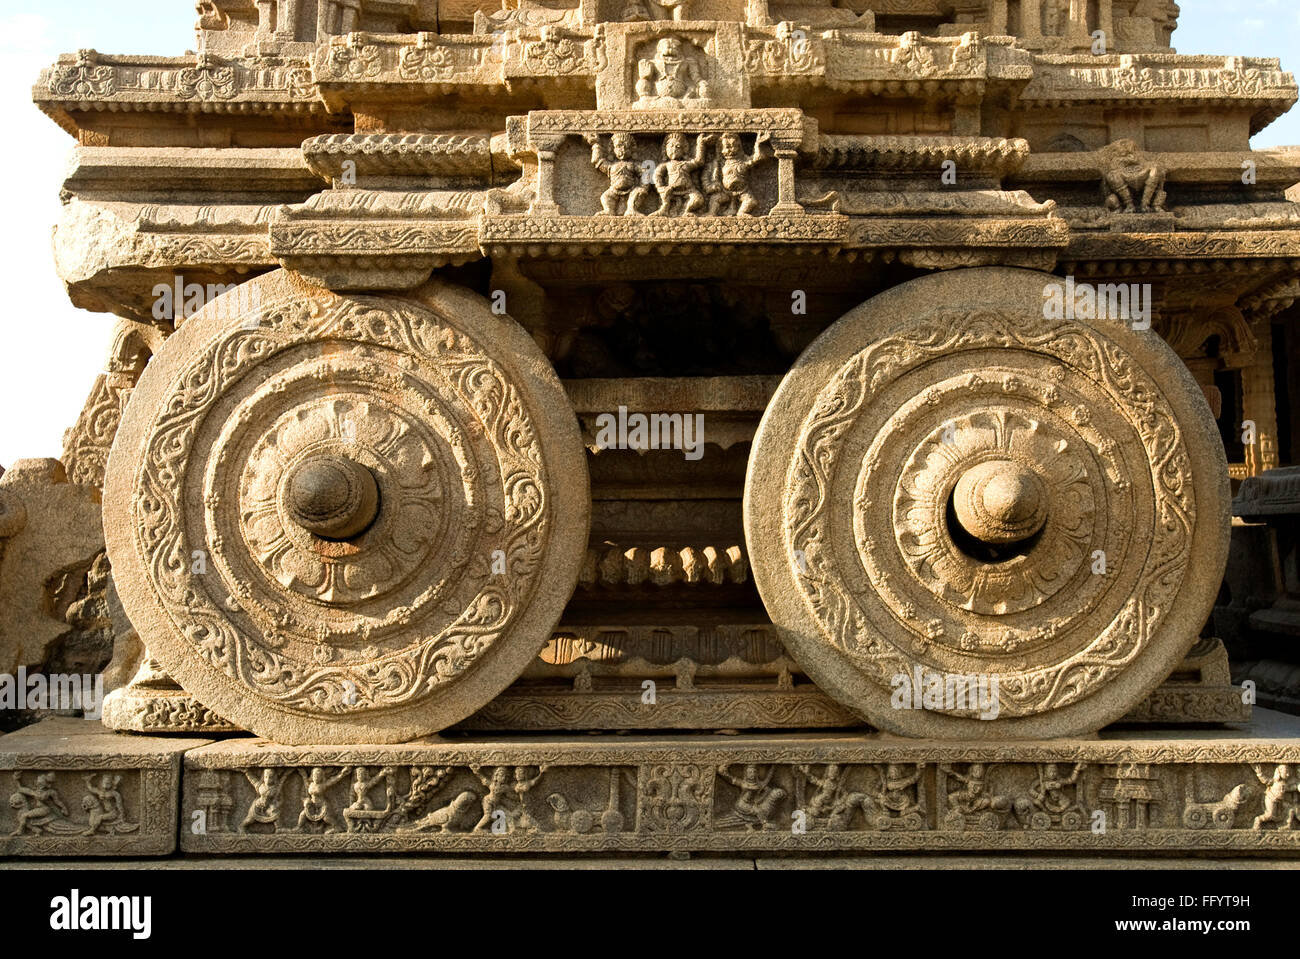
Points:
(785, 202)
(286, 19)
(1259, 403)
(544, 204)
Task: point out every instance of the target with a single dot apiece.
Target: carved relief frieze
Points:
(205, 81)
(1128, 76)
(72, 789)
(842, 793)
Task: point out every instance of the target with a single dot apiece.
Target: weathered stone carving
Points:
(672, 77)
(787, 794)
(1281, 805)
(862, 601)
(626, 177)
(70, 788)
(346, 503)
(1132, 186)
(462, 456)
(50, 537)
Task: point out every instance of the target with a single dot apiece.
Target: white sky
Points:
(50, 352)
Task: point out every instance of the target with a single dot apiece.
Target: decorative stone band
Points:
(376, 238)
(775, 54)
(559, 707)
(536, 708)
(708, 705)
(424, 62)
(591, 56)
(348, 254)
(397, 155)
(142, 171)
(773, 793)
(973, 155)
(616, 235)
(204, 84)
(894, 232)
(1128, 78)
(786, 127)
(75, 789)
(1183, 246)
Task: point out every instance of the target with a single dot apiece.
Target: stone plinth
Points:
(76, 789)
(805, 793)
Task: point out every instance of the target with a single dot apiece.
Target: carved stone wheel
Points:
(342, 519)
(948, 484)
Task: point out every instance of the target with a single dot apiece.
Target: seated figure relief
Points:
(1132, 183)
(672, 77)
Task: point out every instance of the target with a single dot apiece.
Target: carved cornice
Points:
(89, 81)
(1183, 246)
(846, 60)
(973, 155)
(1157, 77)
(398, 155)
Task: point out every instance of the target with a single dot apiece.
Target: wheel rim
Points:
(932, 485)
(312, 500)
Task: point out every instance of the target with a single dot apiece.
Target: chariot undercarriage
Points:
(714, 366)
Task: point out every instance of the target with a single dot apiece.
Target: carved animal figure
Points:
(1216, 815)
(440, 820)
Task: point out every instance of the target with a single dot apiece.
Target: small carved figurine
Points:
(1132, 186)
(675, 176)
(265, 808)
(103, 805)
(756, 804)
(315, 805)
(626, 182)
(728, 180)
(671, 74)
(38, 807)
(1278, 806)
